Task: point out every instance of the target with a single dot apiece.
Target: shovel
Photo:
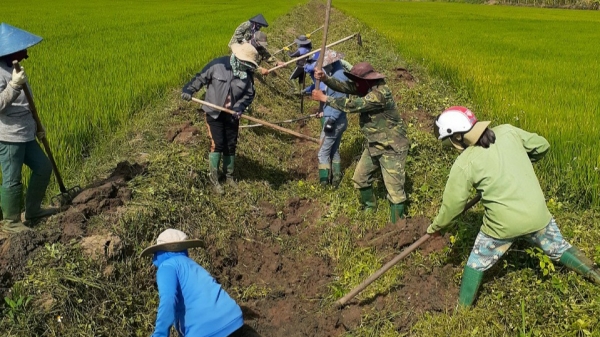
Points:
(340, 303)
(66, 195)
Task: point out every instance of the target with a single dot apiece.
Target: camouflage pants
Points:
(392, 170)
(488, 250)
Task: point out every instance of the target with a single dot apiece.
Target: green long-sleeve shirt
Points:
(510, 192)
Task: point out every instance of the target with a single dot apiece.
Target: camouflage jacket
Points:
(379, 118)
(242, 32)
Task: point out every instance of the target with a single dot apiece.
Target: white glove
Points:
(18, 78)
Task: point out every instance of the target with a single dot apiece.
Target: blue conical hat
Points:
(13, 39)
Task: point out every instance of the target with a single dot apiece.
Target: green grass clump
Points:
(533, 68)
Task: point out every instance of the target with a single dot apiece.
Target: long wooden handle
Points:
(291, 44)
(313, 52)
(399, 257)
(324, 44)
(40, 127)
(256, 120)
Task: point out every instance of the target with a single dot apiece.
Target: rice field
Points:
(101, 61)
(535, 68)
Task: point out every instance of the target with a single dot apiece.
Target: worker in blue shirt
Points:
(189, 297)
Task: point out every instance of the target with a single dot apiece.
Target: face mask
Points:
(363, 87)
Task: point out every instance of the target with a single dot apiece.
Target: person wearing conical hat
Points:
(189, 297)
(18, 131)
(229, 82)
(497, 162)
(386, 145)
(304, 46)
(245, 31)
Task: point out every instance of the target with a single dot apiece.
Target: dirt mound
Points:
(104, 196)
(405, 76)
(184, 133)
(399, 235)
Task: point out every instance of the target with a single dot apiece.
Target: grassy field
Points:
(100, 62)
(534, 68)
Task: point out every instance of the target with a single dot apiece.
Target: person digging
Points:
(18, 131)
(245, 31)
(229, 83)
(189, 297)
(259, 42)
(497, 162)
(386, 145)
(304, 46)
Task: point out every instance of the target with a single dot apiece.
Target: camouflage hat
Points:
(259, 19)
(302, 40)
(260, 39)
(13, 39)
(331, 56)
(363, 71)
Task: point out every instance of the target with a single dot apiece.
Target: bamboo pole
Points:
(324, 44)
(256, 120)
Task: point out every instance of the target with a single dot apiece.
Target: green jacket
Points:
(380, 121)
(510, 192)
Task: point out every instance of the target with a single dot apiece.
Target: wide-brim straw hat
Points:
(331, 56)
(171, 240)
(363, 71)
(245, 52)
(302, 40)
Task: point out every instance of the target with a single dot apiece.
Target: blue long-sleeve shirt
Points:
(309, 68)
(337, 72)
(192, 300)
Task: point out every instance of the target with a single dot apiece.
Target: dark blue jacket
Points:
(192, 300)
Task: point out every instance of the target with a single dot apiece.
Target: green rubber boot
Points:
(336, 172)
(324, 174)
(33, 199)
(396, 212)
(471, 280)
(574, 259)
(228, 166)
(322, 122)
(367, 199)
(213, 171)
(11, 209)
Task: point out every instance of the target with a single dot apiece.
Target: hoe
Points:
(66, 195)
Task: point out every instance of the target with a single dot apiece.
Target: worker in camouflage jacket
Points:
(259, 41)
(245, 33)
(229, 83)
(386, 142)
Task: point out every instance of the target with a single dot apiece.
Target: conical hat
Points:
(260, 19)
(171, 240)
(13, 39)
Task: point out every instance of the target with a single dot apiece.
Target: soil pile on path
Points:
(101, 197)
(291, 283)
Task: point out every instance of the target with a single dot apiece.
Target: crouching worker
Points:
(230, 84)
(189, 297)
(497, 163)
(386, 145)
(18, 131)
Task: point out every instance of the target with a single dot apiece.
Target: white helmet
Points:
(455, 119)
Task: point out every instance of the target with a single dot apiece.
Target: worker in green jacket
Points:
(386, 145)
(497, 163)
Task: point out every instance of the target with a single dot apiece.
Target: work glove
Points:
(329, 126)
(236, 116)
(18, 78)
(286, 49)
(186, 94)
(308, 36)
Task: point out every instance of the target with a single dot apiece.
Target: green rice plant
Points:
(534, 68)
(102, 61)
